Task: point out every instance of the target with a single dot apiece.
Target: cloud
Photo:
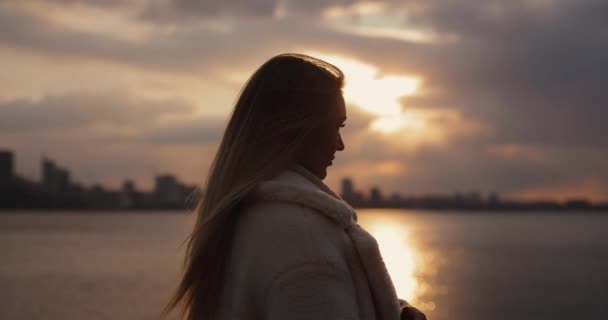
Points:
(535, 75)
(105, 137)
(204, 47)
(189, 11)
(196, 130)
(102, 3)
(531, 73)
(164, 11)
(80, 110)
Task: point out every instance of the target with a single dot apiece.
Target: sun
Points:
(379, 95)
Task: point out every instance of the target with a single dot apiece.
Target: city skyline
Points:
(56, 189)
(64, 177)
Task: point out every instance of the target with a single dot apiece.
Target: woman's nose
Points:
(340, 145)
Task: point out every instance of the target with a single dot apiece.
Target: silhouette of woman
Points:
(271, 240)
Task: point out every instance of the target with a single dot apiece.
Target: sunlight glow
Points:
(378, 95)
(400, 258)
(406, 120)
(381, 95)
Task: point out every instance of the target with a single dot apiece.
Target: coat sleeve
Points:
(312, 291)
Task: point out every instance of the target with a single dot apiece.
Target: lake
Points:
(453, 265)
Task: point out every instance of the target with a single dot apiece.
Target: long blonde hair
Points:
(279, 106)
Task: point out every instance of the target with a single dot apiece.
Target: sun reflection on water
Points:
(401, 258)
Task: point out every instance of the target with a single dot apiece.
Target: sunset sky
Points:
(442, 96)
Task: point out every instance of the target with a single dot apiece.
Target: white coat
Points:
(298, 253)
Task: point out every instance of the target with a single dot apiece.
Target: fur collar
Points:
(304, 188)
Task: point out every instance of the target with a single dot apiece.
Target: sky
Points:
(443, 96)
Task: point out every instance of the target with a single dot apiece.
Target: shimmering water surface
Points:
(452, 265)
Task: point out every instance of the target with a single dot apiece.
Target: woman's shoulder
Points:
(277, 241)
(291, 221)
(286, 233)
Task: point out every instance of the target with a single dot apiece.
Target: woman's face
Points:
(320, 148)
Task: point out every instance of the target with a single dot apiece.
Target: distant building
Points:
(375, 194)
(347, 187)
(493, 198)
(54, 179)
(48, 172)
(578, 204)
(474, 197)
(349, 194)
(99, 198)
(469, 200)
(128, 195)
(170, 193)
(394, 200)
(375, 197)
(6, 166)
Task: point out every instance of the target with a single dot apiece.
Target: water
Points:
(452, 265)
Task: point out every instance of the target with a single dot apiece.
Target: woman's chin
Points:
(323, 174)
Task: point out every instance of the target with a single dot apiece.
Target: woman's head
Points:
(286, 113)
(289, 112)
(320, 146)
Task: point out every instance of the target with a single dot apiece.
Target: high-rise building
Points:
(349, 194)
(168, 190)
(493, 198)
(347, 188)
(48, 173)
(54, 179)
(375, 195)
(6, 165)
(128, 195)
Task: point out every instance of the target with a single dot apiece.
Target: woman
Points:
(271, 240)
